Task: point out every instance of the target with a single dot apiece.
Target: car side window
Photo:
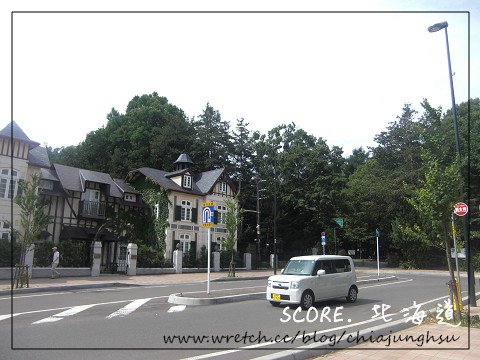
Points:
(318, 266)
(327, 265)
(342, 265)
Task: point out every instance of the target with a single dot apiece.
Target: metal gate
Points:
(122, 260)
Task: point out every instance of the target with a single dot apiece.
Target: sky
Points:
(342, 74)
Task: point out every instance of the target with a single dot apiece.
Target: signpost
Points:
(208, 218)
(324, 241)
(339, 222)
(460, 209)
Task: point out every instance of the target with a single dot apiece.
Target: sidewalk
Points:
(454, 350)
(107, 280)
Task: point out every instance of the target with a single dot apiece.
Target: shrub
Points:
(148, 257)
(6, 253)
(226, 257)
(43, 254)
(73, 253)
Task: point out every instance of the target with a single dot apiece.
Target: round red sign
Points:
(460, 209)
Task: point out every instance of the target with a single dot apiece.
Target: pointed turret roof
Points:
(13, 130)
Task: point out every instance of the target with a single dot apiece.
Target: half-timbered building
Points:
(187, 191)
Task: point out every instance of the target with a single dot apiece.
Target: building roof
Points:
(207, 179)
(124, 187)
(38, 156)
(13, 130)
(202, 182)
(48, 174)
(74, 179)
(184, 158)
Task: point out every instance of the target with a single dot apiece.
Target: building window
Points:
(45, 184)
(222, 214)
(4, 231)
(185, 242)
(220, 242)
(91, 195)
(187, 181)
(186, 212)
(130, 197)
(8, 184)
(156, 210)
(222, 187)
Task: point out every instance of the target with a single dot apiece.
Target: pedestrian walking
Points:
(55, 261)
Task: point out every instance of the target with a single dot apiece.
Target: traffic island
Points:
(215, 297)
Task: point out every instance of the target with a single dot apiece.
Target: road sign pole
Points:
(208, 261)
(377, 234)
(455, 249)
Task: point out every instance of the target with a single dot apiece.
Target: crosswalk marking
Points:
(63, 314)
(129, 308)
(177, 308)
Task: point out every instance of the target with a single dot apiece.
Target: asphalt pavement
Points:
(466, 347)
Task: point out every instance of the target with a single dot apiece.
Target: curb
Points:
(376, 280)
(241, 278)
(177, 299)
(113, 284)
(62, 288)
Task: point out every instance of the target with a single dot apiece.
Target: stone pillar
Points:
(131, 259)
(216, 261)
(247, 261)
(29, 259)
(177, 261)
(314, 251)
(97, 258)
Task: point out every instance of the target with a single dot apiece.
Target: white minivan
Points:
(307, 279)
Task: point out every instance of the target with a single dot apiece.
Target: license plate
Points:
(276, 297)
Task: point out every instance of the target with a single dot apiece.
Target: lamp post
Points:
(275, 213)
(471, 279)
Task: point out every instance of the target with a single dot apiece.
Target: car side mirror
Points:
(320, 272)
(281, 271)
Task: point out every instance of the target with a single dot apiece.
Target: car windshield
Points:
(299, 267)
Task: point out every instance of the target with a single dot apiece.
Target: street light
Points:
(471, 279)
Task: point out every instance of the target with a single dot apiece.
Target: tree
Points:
(212, 144)
(233, 219)
(33, 214)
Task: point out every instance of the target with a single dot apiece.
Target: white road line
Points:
(177, 308)
(8, 316)
(390, 283)
(69, 307)
(129, 308)
(57, 317)
(219, 353)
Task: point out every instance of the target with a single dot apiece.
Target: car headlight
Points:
(294, 285)
(269, 283)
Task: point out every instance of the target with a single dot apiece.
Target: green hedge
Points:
(72, 254)
(148, 257)
(6, 253)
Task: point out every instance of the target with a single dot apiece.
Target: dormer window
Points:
(187, 181)
(45, 184)
(222, 187)
(130, 197)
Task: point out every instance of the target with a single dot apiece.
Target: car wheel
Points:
(275, 303)
(352, 294)
(307, 300)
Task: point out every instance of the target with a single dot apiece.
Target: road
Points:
(139, 323)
